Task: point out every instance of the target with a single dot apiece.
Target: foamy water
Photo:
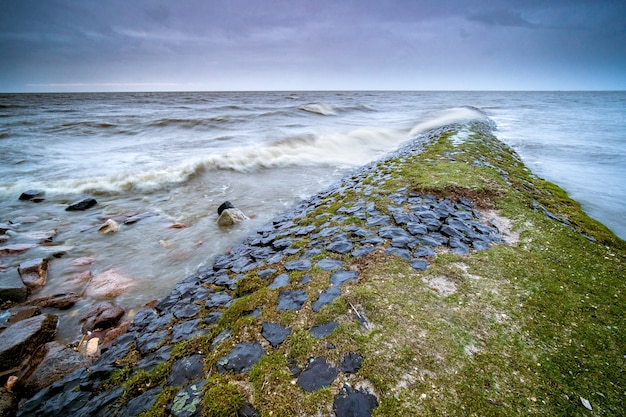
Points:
(180, 155)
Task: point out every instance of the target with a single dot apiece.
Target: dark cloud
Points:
(243, 44)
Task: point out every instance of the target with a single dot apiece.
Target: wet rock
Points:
(298, 265)
(50, 363)
(11, 286)
(187, 330)
(155, 358)
(320, 331)
(16, 248)
(186, 369)
(275, 333)
(35, 196)
(138, 217)
(24, 337)
(339, 278)
(110, 226)
(328, 264)
(352, 403)
(351, 363)
(34, 273)
(19, 313)
(81, 205)
(58, 301)
(224, 206)
(142, 402)
(291, 300)
(325, 297)
(103, 315)
(151, 341)
(241, 358)
(108, 284)
(231, 216)
(318, 374)
(39, 236)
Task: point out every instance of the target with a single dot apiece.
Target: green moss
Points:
(222, 399)
(159, 409)
(300, 345)
(271, 381)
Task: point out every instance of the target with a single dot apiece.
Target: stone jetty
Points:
(274, 316)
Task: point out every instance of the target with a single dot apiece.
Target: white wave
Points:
(447, 117)
(319, 108)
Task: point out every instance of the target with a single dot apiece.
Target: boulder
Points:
(58, 301)
(24, 337)
(108, 284)
(50, 363)
(11, 286)
(110, 226)
(231, 216)
(103, 315)
(82, 205)
(35, 196)
(34, 273)
(224, 206)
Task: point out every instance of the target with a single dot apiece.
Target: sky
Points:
(239, 45)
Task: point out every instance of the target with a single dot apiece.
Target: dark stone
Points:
(102, 316)
(420, 265)
(329, 231)
(318, 374)
(339, 278)
(450, 231)
(340, 246)
(188, 402)
(185, 310)
(157, 357)
(24, 337)
(186, 369)
(32, 195)
(374, 240)
(416, 228)
(213, 317)
(481, 245)
(266, 273)
(59, 301)
(140, 216)
(275, 333)
(352, 403)
(224, 334)
(351, 363)
(298, 265)
(241, 358)
(280, 281)
(150, 341)
(322, 330)
(312, 252)
(423, 251)
(186, 330)
(392, 232)
(328, 264)
(140, 403)
(402, 253)
(378, 221)
(224, 206)
(247, 410)
(305, 280)
(220, 298)
(304, 230)
(363, 250)
(283, 243)
(325, 297)
(291, 300)
(82, 205)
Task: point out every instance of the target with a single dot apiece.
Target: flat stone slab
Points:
(280, 281)
(24, 337)
(275, 333)
(318, 374)
(325, 297)
(351, 363)
(328, 264)
(322, 330)
(340, 246)
(339, 278)
(291, 299)
(298, 265)
(354, 403)
(241, 359)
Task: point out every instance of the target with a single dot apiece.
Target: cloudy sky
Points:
(148, 45)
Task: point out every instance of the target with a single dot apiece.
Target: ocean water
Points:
(180, 155)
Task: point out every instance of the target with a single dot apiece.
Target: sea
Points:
(179, 155)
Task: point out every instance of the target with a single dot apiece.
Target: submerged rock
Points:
(34, 273)
(102, 316)
(35, 196)
(82, 205)
(231, 216)
(11, 286)
(110, 226)
(108, 284)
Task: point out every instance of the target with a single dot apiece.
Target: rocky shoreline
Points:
(194, 352)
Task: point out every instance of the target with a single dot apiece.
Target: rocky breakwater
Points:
(269, 329)
(280, 324)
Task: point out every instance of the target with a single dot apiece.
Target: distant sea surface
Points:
(180, 155)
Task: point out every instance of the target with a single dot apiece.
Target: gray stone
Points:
(155, 358)
(420, 265)
(140, 403)
(415, 228)
(149, 342)
(280, 281)
(339, 278)
(318, 374)
(218, 299)
(423, 251)
(291, 300)
(402, 253)
(266, 273)
(275, 333)
(340, 246)
(298, 265)
(11, 286)
(322, 330)
(186, 369)
(328, 264)
(352, 403)
(241, 358)
(351, 363)
(383, 220)
(81, 205)
(188, 402)
(363, 250)
(325, 297)
(186, 330)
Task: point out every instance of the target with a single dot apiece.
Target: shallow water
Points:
(180, 155)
